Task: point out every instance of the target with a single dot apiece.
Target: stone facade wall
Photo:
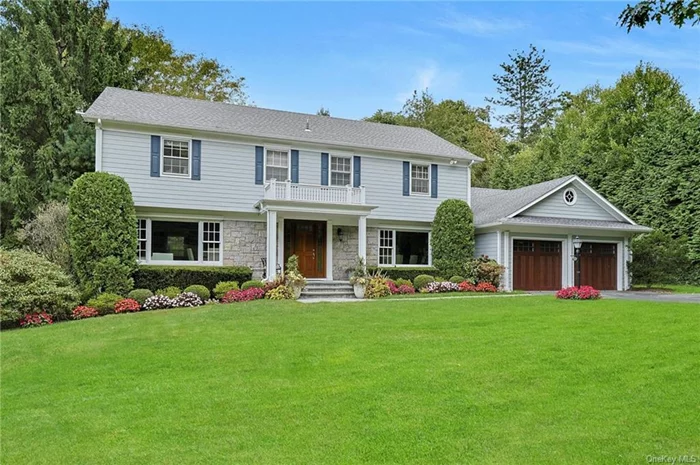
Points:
(344, 253)
(372, 246)
(245, 243)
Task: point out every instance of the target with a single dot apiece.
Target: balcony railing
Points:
(287, 190)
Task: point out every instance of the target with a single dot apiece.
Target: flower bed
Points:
(578, 293)
(36, 319)
(252, 293)
(127, 306)
(83, 311)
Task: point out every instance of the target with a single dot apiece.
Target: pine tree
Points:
(525, 87)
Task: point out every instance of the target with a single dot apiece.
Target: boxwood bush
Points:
(156, 277)
(408, 273)
(201, 291)
(30, 283)
(223, 287)
(452, 238)
(102, 231)
(140, 295)
(104, 303)
(422, 280)
(252, 283)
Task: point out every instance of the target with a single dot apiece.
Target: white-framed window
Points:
(175, 157)
(277, 165)
(404, 248)
(341, 171)
(174, 241)
(569, 196)
(420, 179)
(142, 233)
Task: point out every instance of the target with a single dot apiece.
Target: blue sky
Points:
(355, 58)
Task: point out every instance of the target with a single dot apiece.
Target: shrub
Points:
(102, 224)
(484, 269)
(578, 293)
(376, 287)
(104, 303)
(252, 283)
(292, 275)
(457, 279)
(403, 282)
(82, 312)
(170, 292)
(359, 274)
(113, 276)
(657, 258)
(127, 306)
(282, 292)
(157, 277)
(442, 286)
(485, 287)
(422, 280)
(400, 272)
(452, 238)
(252, 293)
(140, 295)
(466, 286)
(406, 289)
(187, 299)
(29, 282)
(223, 287)
(158, 302)
(36, 319)
(47, 234)
(200, 290)
(274, 284)
(393, 288)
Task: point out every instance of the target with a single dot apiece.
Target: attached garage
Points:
(537, 265)
(599, 265)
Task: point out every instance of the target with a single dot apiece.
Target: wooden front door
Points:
(306, 240)
(536, 265)
(599, 265)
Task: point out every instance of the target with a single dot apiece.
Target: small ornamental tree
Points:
(452, 239)
(102, 227)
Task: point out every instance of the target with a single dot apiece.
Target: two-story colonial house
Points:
(216, 183)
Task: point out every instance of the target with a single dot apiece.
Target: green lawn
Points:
(494, 380)
(674, 288)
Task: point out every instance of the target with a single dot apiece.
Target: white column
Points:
(570, 263)
(271, 244)
(329, 250)
(98, 146)
(362, 238)
(280, 243)
(507, 251)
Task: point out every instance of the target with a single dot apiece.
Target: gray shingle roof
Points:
(574, 222)
(178, 112)
(491, 205)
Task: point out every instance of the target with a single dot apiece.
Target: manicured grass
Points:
(675, 288)
(500, 380)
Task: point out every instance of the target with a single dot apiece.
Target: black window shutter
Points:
(155, 156)
(324, 169)
(406, 178)
(434, 181)
(259, 167)
(357, 172)
(295, 166)
(196, 159)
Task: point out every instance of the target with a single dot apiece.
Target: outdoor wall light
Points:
(340, 235)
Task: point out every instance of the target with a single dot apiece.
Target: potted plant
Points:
(293, 277)
(359, 278)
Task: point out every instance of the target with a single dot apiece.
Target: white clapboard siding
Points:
(486, 244)
(584, 208)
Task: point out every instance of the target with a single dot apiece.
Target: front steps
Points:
(327, 290)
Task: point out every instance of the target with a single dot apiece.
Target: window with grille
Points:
(176, 157)
(386, 247)
(341, 173)
(607, 249)
(277, 165)
(211, 242)
(420, 179)
(550, 247)
(523, 246)
(142, 240)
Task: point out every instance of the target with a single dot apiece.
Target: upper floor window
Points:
(176, 157)
(277, 165)
(570, 196)
(420, 179)
(341, 172)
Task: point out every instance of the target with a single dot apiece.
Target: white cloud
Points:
(471, 25)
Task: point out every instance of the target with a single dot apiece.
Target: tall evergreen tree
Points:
(526, 88)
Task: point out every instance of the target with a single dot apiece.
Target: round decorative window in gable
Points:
(570, 196)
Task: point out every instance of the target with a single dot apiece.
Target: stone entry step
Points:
(328, 290)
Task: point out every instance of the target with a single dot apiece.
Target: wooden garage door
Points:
(599, 265)
(536, 265)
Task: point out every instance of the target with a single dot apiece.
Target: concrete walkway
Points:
(411, 299)
(652, 296)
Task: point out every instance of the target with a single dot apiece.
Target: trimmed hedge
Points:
(452, 238)
(161, 276)
(407, 273)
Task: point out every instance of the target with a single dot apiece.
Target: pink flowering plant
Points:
(252, 293)
(578, 293)
(83, 311)
(36, 319)
(444, 286)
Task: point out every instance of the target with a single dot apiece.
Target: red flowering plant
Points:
(36, 319)
(485, 287)
(466, 286)
(127, 305)
(235, 295)
(578, 293)
(83, 311)
(405, 289)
